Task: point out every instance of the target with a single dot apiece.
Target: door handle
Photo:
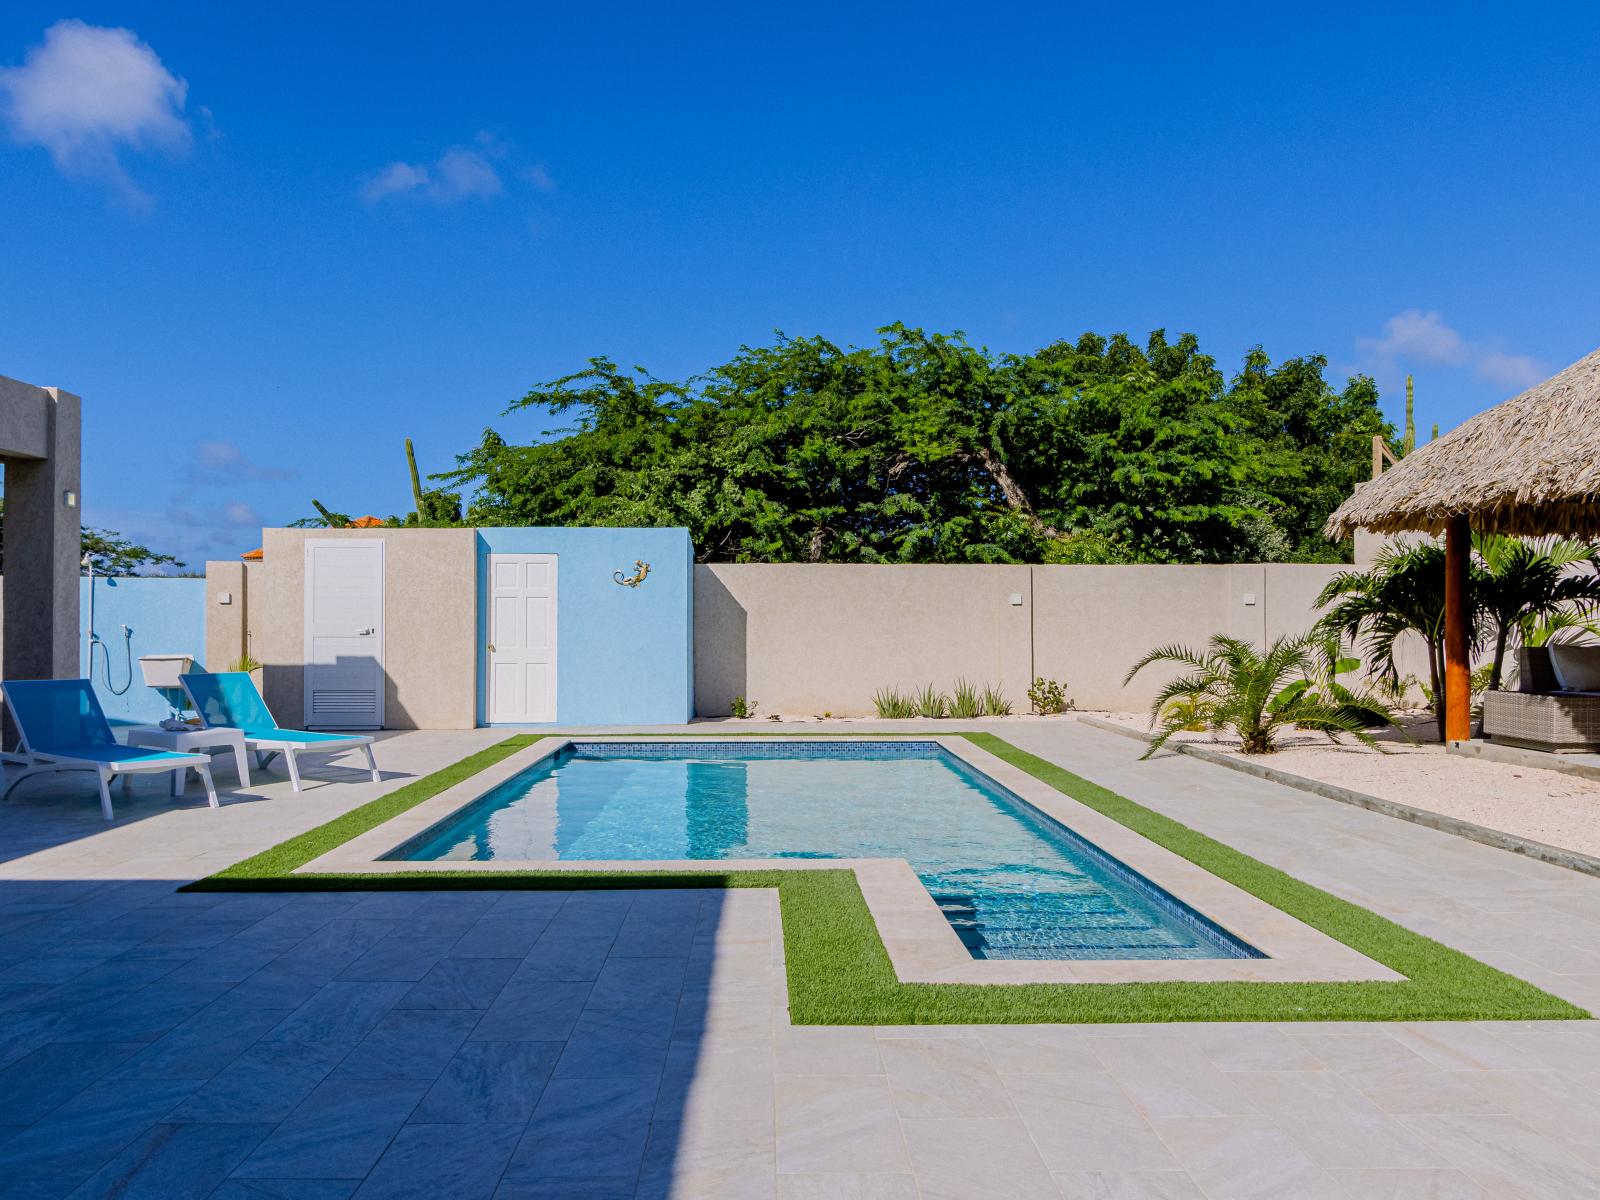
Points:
(365, 633)
(491, 647)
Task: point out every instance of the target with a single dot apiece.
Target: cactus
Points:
(416, 480)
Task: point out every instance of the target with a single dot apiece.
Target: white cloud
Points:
(221, 461)
(89, 92)
(1414, 336)
(241, 514)
(1512, 370)
(539, 176)
(460, 173)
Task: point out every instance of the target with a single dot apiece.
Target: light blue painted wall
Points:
(625, 656)
(163, 616)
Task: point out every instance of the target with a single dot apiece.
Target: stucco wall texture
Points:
(806, 639)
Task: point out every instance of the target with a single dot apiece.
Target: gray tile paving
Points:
(636, 1044)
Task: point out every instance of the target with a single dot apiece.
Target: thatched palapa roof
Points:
(1530, 465)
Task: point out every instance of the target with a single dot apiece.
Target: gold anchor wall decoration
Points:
(640, 570)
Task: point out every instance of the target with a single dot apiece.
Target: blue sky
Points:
(267, 244)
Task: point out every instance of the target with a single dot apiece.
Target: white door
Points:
(344, 633)
(520, 650)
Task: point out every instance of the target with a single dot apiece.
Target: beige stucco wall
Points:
(430, 650)
(813, 639)
(798, 638)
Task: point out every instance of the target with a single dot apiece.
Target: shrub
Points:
(1258, 693)
(244, 663)
(995, 703)
(1186, 713)
(742, 707)
(1047, 696)
(892, 706)
(931, 702)
(966, 701)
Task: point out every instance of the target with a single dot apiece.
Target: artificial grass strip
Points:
(840, 974)
(314, 843)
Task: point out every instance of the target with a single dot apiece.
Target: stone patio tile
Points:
(637, 982)
(337, 1132)
(532, 1187)
(591, 914)
(81, 1136)
(286, 1189)
(847, 1187)
(1335, 1124)
(461, 983)
(1245, 1158)
(265, 1083)
(585, 1129)
(957, 1159)
(490, 1081)
(1168, 1076)
(1085, 1122)
(205, 1043)
(144, 1015)
(408, 1044)
(1127, 1185)
(54, 1074)
(838, 1123)
(429, 1162)
(1408, 1185)
(1039, 1050)
(173, 1162)
(509, 937)
(625, 1042)
(533, 1010)
(566, 958)
(724, 1079)
(403, 956)
(943, 1077)
(827, 1050)
(1252, 1048)
(339, 1011)
(1505, 1157)
(709, 1160)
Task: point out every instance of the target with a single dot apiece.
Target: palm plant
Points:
(1258, 693)
(1528, 583)
(1402, 593)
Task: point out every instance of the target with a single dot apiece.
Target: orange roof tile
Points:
(255, 555)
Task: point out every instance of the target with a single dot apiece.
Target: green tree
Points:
(1401, 593)
(925, 448)
(1527, 584)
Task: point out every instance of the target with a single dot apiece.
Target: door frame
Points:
(307, 588)
(486, 638)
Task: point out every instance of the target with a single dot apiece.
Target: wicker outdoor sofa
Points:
(1541, 715)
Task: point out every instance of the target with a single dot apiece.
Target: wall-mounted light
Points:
(69, 498)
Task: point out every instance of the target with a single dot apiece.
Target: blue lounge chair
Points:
(63, 728)
(229, 699)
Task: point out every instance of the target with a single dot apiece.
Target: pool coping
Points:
(921, 944)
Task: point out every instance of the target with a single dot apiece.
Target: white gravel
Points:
(1560, 810)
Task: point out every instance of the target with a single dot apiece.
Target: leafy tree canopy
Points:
(925, 448)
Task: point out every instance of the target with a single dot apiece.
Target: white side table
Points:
(192, 741)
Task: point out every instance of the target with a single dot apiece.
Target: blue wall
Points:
(625, 656)
(164, 616)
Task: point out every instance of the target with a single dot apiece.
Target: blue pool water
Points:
(1012, 882)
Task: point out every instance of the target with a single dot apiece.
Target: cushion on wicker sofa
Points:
(1577, 668)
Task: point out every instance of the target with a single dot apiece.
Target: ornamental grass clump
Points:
(931, 702)
(893, 705)
(995, 703)
(966, 701)
(1231, 684)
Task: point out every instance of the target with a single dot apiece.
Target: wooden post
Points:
(1457, 670)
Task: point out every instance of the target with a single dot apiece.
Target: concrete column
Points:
(43, 545)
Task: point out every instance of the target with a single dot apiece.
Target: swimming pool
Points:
(1012, 882)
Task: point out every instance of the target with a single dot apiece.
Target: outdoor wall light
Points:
(640, 570)
(69, 498)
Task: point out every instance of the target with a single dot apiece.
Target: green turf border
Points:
(840, 974)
